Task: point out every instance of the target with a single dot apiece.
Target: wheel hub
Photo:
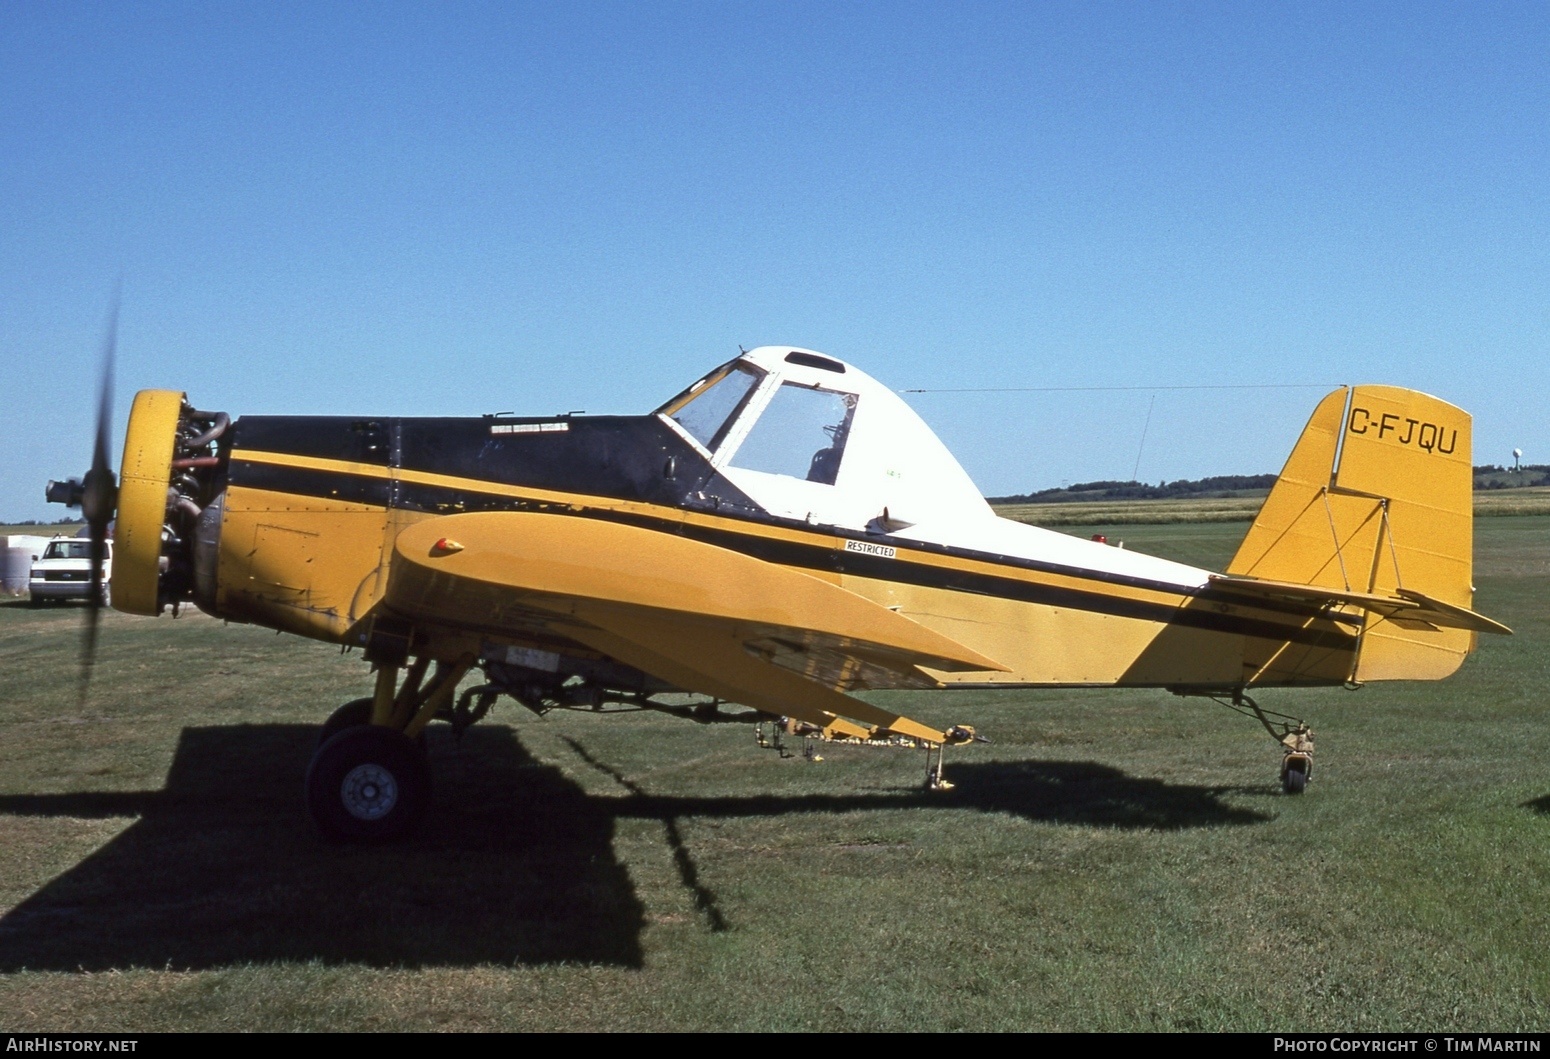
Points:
(369, 792)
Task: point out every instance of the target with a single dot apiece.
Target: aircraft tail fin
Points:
(1376, 498)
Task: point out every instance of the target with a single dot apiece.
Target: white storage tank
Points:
(16, 554)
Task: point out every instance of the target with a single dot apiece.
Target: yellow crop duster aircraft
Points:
(784, 532)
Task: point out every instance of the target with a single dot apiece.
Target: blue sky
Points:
(462, 208)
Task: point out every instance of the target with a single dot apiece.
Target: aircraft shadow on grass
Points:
(514, 863)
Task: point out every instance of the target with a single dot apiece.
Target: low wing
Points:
(698, 616)
(1403, 607)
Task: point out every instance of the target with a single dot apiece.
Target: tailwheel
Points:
(1294, 736)
(1296, 759)
(367, 783)
(1294, 774)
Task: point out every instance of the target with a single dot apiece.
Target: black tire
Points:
(351, 715)
(367, 784)
(1295, 778)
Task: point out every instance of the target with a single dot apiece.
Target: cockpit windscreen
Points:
(708, 408)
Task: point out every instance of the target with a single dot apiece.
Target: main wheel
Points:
(367, 784)
(352, 714)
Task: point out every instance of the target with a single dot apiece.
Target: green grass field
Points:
(1112, 860)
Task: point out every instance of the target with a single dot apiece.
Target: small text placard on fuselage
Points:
(884, 551)
(529, 428)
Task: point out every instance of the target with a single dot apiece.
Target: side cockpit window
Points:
(801, 433)
(708, 408)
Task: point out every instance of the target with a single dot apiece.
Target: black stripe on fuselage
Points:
(902, 571)
(621, 457)
(442, 499)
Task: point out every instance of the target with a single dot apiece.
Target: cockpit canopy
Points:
(813, 438)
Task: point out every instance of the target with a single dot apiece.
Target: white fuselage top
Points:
(895, 478)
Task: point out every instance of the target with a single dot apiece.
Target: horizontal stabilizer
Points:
(1405, 605)
(1447, 616)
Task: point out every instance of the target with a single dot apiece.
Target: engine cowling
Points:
(149, 444)
(172, 471)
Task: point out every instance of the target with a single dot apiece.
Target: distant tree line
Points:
(1487, 476)
(76, 521)
(1492, 476)
(1221, 485)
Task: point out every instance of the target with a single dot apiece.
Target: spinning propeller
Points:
(96, 496)
(172, 470)
(99, 497)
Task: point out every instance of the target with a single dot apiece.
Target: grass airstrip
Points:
(1111, 860)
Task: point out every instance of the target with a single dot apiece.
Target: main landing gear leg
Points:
(370, 779)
